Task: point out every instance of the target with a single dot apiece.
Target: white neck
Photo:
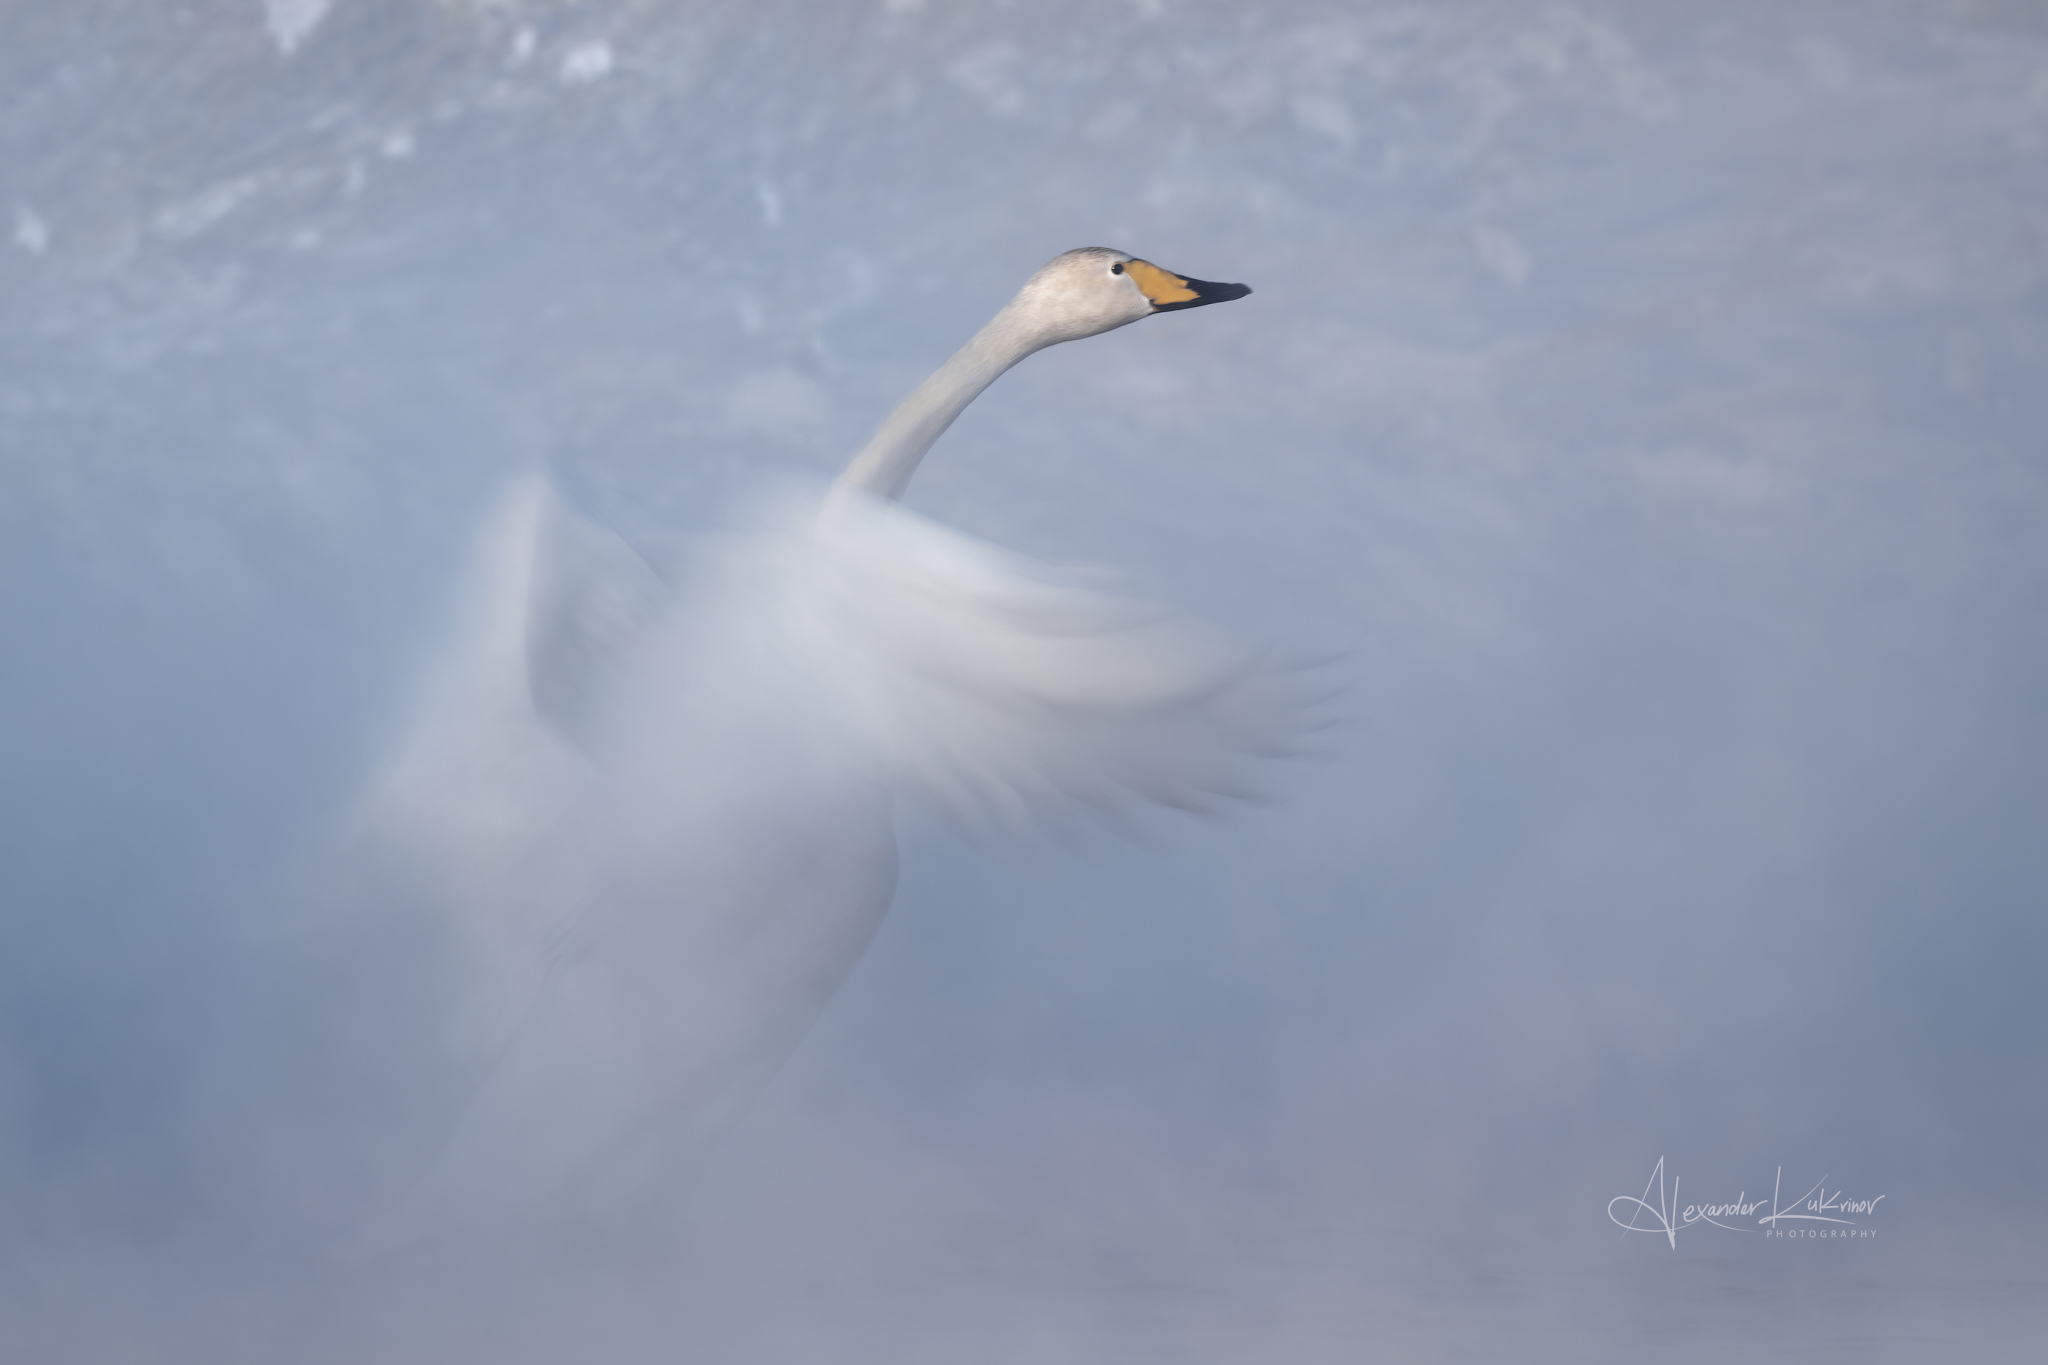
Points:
(885, 465)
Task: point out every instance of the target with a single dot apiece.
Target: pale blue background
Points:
(1645, 400)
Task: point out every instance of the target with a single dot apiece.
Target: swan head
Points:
(1095, 289)
(1075, 295)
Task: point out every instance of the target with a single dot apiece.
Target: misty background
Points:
(1642, 400)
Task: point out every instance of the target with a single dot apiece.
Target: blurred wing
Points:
(589, 602)
(1004, 689)
(461, 820)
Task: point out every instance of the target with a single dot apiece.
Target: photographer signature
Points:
(1669, 1217)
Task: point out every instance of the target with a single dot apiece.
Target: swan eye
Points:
(1117, 269)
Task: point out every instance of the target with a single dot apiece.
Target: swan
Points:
(654, 822)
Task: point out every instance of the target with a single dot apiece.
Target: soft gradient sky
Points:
(1636, 396)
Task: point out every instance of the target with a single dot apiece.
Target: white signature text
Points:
(1671, 1217)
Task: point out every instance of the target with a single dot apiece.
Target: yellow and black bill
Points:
(1169, 291)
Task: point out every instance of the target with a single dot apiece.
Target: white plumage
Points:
(655, 820)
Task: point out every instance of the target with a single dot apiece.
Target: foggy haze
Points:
(1634, 399)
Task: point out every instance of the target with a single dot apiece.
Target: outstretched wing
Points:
(1007, 690)
(463, 817)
